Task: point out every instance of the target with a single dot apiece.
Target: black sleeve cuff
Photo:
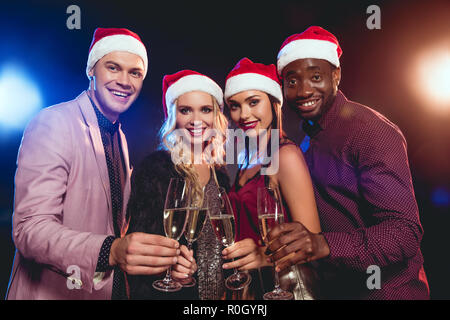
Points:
(103, 258)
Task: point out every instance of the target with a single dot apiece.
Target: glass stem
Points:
(189, 249)
(277, 279)
(168, 277)
(236, 272)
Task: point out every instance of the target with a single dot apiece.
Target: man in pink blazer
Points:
(73, 183)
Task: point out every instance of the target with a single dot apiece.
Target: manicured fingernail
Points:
(186, 275)
(178, 252)
(225, 266)
(175, 260)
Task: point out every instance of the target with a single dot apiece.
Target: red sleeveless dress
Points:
(297, 279)
(244, 202)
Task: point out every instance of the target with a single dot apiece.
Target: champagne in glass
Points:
(194, 226)
(223, 226)
(174, 222)
(174, 219)
(270, 214)
(195, 223)
(268, 221)
(222, 221)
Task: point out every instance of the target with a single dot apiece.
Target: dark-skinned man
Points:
(362, 183)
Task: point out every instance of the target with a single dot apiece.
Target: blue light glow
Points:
(20, 99)
(441, 197)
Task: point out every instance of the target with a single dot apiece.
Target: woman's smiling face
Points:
(195, 113)
(251, 110)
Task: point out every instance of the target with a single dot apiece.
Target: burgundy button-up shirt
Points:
(369, 216)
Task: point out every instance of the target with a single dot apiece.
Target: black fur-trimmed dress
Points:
(145, 210)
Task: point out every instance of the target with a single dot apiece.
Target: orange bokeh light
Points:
(431, 80)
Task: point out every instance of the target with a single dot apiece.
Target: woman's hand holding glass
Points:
(222, 220)
(248, 255)
(186, 265)
(198, 211)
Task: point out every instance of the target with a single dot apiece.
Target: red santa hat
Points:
(247, 75)
(107, 40)
(314, 42)
(177, 84)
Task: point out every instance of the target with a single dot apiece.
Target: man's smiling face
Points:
(310, 86)
(116, 82)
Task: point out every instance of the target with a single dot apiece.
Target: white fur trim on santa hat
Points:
(118, 42)
(193, 82)
(307, 48)
(253, 81)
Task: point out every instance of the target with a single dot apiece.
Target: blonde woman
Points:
(192, 107)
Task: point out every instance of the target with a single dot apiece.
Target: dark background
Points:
(210, 37)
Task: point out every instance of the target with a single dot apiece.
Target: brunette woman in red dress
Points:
(254, 98)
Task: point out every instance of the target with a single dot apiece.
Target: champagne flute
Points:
(198, 212)
(222, 220)
(270, 214)
(176, 209)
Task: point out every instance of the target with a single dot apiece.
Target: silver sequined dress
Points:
(211, 284)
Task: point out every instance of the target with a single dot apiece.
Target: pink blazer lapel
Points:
(94, 133)
(128, 171)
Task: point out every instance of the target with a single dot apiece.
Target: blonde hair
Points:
(169, 143)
